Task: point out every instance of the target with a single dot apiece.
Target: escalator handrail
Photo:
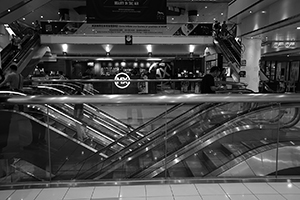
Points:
(150, 133)
(79, 120)
(92, 129)
(23, 52)
(157, 138)
(135, 153)
(207, 139)
(50, 127)
(141, 140)
(108, 116)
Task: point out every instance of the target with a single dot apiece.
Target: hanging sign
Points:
(122, 80)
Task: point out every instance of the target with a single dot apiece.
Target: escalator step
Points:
(252, 144)
(215, 157)
(178, 171)
(235, 149)
(197, 168)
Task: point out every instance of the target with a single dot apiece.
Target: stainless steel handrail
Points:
(151, 99)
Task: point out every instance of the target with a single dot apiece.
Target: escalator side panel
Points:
(263, 164)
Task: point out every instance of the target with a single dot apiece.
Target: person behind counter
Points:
(208, 82)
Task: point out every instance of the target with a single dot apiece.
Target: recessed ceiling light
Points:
(205, 7)
(214, 19)
(263, 12)
(23, 18)
(42, 16)
(222, 13)
(298, 27)
(8, 10)
(197, 15)
(250, 11)
(172, 18)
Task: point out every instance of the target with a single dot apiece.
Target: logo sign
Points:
(128, 39)
(122, 80)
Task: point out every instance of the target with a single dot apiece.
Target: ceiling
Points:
(208, 10)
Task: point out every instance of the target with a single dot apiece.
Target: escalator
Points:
(149, 159)
(30, 44)
(179, 125)
(65, 150)
(232, 54)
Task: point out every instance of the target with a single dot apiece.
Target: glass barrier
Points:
(50, 137)
(128, 86)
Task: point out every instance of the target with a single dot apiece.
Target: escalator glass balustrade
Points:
(209, 136)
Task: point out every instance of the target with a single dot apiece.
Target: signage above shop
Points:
(122, 80)
(284, 45)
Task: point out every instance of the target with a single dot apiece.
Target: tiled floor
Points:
(223, 191)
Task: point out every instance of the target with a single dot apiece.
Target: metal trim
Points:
(152, 99)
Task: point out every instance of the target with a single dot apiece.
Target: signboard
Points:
(127, 11)
(122, 80)
(284, 45)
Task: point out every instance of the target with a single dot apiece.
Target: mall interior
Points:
(108, 102)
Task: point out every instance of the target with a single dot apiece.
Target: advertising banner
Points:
(80, 28)
(126, 11)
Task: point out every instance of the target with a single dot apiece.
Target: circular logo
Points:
(122, 80)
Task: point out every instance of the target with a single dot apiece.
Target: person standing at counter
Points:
(208, 82)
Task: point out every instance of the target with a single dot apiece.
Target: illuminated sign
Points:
(284, 45)
(122, 80)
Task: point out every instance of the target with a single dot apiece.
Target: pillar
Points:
(250, 63)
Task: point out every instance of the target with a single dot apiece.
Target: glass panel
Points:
(163, 141)
(24, 146)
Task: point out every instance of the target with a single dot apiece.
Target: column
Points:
(249, 72)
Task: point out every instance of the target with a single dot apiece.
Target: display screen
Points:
(126, 11)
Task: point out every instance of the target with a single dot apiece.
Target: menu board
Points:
(126, 11)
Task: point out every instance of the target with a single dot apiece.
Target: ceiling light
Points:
(23, 18)
(298, 27)
(197, 15)
(192, 48)
(153, 59)
(172, 18)
(206, 7)
(149, 48)
(222, 13)
(263, 12)
(104, 59)
(250, 11)
(42, 16)
(64, 47)
(8, 10)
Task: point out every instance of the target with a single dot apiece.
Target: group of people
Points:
(220, 30)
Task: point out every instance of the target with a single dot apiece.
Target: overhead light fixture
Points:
(205, 7)
(153, 59)
(263, 12)
(65, 47)
(104, 59)
(298, 28)
(192, 48)
(42, 17)
(250, 11)
(23, 18)
(222, 13)
(149, 49)
(172, 18)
